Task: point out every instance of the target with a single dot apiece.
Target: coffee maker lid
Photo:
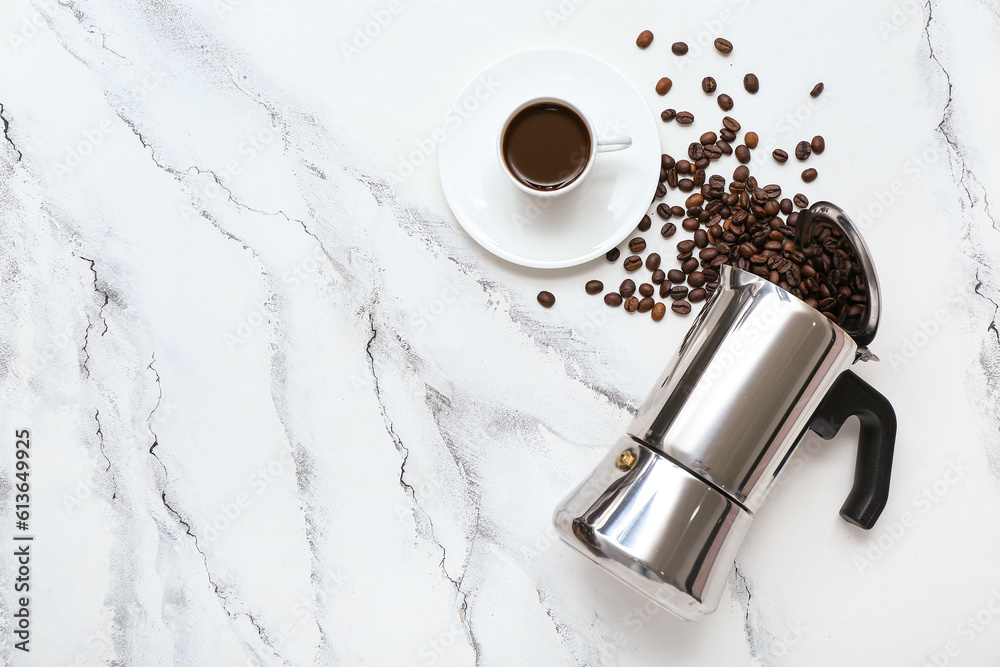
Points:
(825, 226)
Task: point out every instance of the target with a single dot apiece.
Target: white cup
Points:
(597, 145)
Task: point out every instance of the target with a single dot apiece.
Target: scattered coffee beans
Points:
(817, 89)
(663, 86)
(742, 154)
(646, 289)
(594, 287)
(679, 48)
(667, 115)
(723, 45)
(633, 263)
(801, 200)
(646, 222)
(751, 84)
(546, 299)
(818, 144)
(613, 255)
(668, 230)
(638, 244)
(685, 117)
(681, 307)
(645, 39)
(809, 175)
(725, 102)
(658, 311)
(653, 261)
(631, 304)
(751, 139)
(779, 155)
(613, 299)
(627, 288)
(646, 304)
(731, 124)
(708, 85)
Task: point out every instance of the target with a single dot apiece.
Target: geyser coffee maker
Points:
(667, 509)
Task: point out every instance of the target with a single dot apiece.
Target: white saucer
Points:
(568, 230)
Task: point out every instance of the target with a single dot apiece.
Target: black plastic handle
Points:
(850, 395)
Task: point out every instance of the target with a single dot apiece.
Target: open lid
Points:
(824, 230)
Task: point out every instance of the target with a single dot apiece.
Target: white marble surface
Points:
(284, 411)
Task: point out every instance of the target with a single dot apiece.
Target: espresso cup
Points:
(547, 146)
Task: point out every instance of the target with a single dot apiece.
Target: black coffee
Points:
(546, 146)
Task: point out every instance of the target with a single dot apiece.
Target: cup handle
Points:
(613, 144)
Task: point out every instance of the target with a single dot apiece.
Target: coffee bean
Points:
(638, 244)
(613, 299)
(801, 200)
(809, 175)
(742, 154)
(657, 277)
(772, 191)
(708, 138)
(646, 289)
(546, 299)
(697, 295)
(678, 292)
(699, 176)
(644, 39)
(645, 223)
(725, 102)
(685, 117)
(677, 211)
(689, 265)
(631, 304)
(701, 238)
(658, 311)
(667, 115)
(690, 224)
(667, 162)
(708, 85)
(702, 163)
(731, 123)
(779, 155)
(727, 135)
(613, 255)
(685, 185)
(663, 86)
(708, 254)
(661, 191)
(751, 84)
(818, 144)
(694, 200)
(696, 150)
(675, 276)
(751, 139)
(723, 45)
(786, 205)
(653, 261)
(696, 279)
(668, 230)
(679, 48)
(724, 147)
(633, 263)
(817, 89)
(681, 307)
(683, 167)
(741, 174)
(713, 152)
(802, 150)
(627, 288)
(663, 211)
(646, 304)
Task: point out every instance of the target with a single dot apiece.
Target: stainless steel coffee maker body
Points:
(667, 509)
